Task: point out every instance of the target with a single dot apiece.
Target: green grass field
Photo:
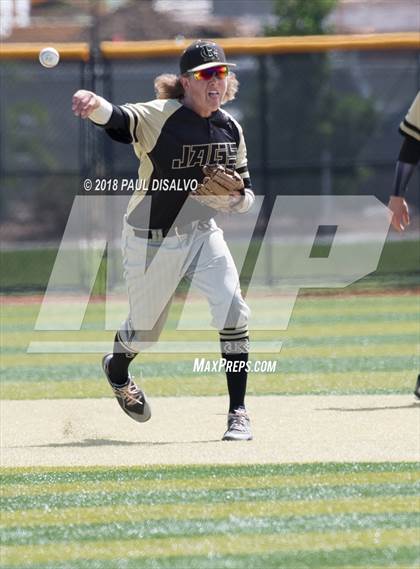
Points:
(271, 516)
(363, 341)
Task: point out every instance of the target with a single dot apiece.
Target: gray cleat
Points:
(238, 427)
(131, 399)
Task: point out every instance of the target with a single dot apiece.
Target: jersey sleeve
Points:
(241, 158)
(241, 167)
(145, 120)
(410, 126)
(118, 126)
(410, 151)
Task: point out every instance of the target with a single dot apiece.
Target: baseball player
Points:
(192, 164)
(408, 159)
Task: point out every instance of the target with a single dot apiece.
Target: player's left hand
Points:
(399, 211)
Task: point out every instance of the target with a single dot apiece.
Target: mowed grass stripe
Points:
(328, 383)
(234, 524)
(377, 305)
(208, 545)
(25, 374)
(24, 336)
(17, 314)
(122, 514)
(212, 483)
(231, 495)
(337, 314)
(347, 364)
(353, 351)
(62, 474)
(336, 329)
(363, 383)
(323, 302)
(30, 305)
(339, 329)
(370, 318)
(353, 316)
(354, 558)
(353, 340)
(21, 318)
(327, 350)
(14, 345)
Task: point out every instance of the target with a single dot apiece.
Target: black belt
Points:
(161, 233)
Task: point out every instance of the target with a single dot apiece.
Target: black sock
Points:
(236, 375)
(118, 366)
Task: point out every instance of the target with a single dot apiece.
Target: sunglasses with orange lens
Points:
(221, 72)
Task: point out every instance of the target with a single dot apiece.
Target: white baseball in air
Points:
(49, 57)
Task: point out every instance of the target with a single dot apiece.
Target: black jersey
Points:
(173, 143)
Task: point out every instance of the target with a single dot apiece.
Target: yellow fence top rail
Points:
(234, 46)
(68, 51)
(266, 45)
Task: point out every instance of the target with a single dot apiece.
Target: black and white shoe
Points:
(238, 427)
(130, 397)
(417, 388)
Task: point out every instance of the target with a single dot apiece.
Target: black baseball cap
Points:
(202, 54)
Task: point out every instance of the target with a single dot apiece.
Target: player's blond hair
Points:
(168, 86)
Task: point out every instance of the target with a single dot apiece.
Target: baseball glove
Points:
(217, 190)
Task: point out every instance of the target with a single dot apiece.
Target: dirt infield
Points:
(187, 430)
